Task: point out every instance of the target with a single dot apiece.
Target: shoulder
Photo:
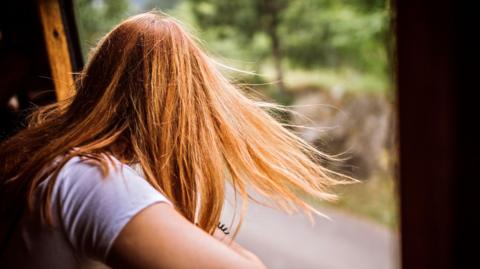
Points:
(93, 206)
(91, 169)
(82, 174)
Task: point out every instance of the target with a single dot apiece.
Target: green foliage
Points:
(312, 34)
(237, 18)
(325, 33)
(161, 4)
(338, 34)
(357, 199)
(97, 17)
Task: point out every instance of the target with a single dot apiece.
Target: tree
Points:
(96, 18)
(160, 4)
(307, 33)
(243, 19)
(329, 33)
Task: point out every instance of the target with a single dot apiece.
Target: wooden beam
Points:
(57, 47)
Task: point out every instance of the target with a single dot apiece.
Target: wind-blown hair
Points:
(149, 95)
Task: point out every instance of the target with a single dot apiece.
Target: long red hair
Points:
(150, 95)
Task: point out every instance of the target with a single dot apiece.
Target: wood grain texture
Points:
(57, 47)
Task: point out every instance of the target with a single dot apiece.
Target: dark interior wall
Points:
(466, 221)
(24, 70)
(439, 148)
(71, 31)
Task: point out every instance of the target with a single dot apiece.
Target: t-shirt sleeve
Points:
(93, 209)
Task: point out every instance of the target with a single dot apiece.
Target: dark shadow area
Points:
(24, 71)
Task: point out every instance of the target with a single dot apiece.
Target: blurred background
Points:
(330, 61)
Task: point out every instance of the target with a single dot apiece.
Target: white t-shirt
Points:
(89, 211)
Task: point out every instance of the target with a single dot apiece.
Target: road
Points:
(290, 241)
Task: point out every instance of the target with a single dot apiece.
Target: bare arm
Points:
(160, 237)
(235, 246)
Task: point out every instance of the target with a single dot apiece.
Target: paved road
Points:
(345, 242)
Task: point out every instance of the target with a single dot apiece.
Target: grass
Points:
(328, 78)
(374, 199)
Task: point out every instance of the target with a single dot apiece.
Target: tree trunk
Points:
(276, 48)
